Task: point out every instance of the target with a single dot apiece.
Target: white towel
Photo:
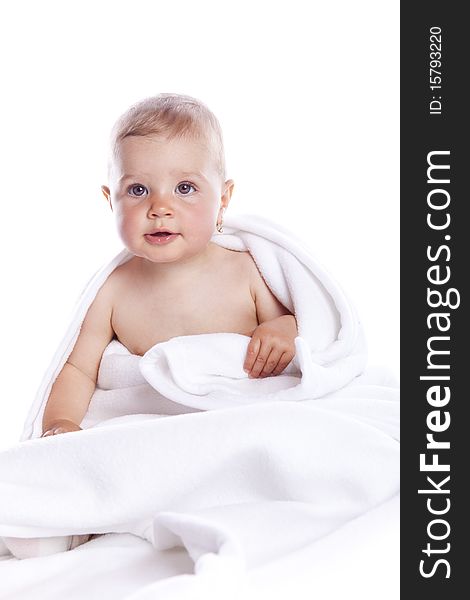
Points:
(327, 321)
(181, 448)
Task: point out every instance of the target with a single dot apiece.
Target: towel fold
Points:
(181, 448)
(333, 349)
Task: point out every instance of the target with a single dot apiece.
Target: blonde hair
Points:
(171, 116)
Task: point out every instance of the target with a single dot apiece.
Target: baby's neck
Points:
(177, 270)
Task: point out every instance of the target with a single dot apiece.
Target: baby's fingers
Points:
(271, 362)
(251, 354)
(54, 431)
(49, 432)
(261, 360)
(283, 362)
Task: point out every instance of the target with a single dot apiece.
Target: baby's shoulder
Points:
(240, 262)
(242, 271)
(116, 282)
(123, 272)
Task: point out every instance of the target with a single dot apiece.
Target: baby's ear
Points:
(227, 192)
(107, 194)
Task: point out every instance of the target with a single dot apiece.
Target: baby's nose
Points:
(160, 209)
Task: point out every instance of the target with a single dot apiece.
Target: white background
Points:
(307, 95)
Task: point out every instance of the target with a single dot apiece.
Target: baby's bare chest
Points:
(143, 317)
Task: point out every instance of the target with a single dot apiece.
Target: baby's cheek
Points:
(204, 229)
(190, 200)
(125, 226)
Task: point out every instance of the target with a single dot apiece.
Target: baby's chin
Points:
(168, 255)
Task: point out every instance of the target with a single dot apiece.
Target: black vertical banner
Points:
(435, 336)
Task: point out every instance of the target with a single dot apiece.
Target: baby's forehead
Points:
(199, 150)
(156, 142)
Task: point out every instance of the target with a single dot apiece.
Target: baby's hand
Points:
(61, 426)
(272, 347)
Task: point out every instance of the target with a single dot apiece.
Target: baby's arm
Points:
(272, 343)
(72, 390)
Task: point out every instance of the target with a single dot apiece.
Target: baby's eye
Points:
(137, 190)
(184, 187)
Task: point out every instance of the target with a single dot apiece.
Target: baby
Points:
(168, 192)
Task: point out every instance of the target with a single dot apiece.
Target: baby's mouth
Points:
(161, 237)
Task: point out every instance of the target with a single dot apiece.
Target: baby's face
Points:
(166, 185)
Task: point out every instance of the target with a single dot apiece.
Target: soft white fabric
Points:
(180, 448)
(358, 561)
(327, 321)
